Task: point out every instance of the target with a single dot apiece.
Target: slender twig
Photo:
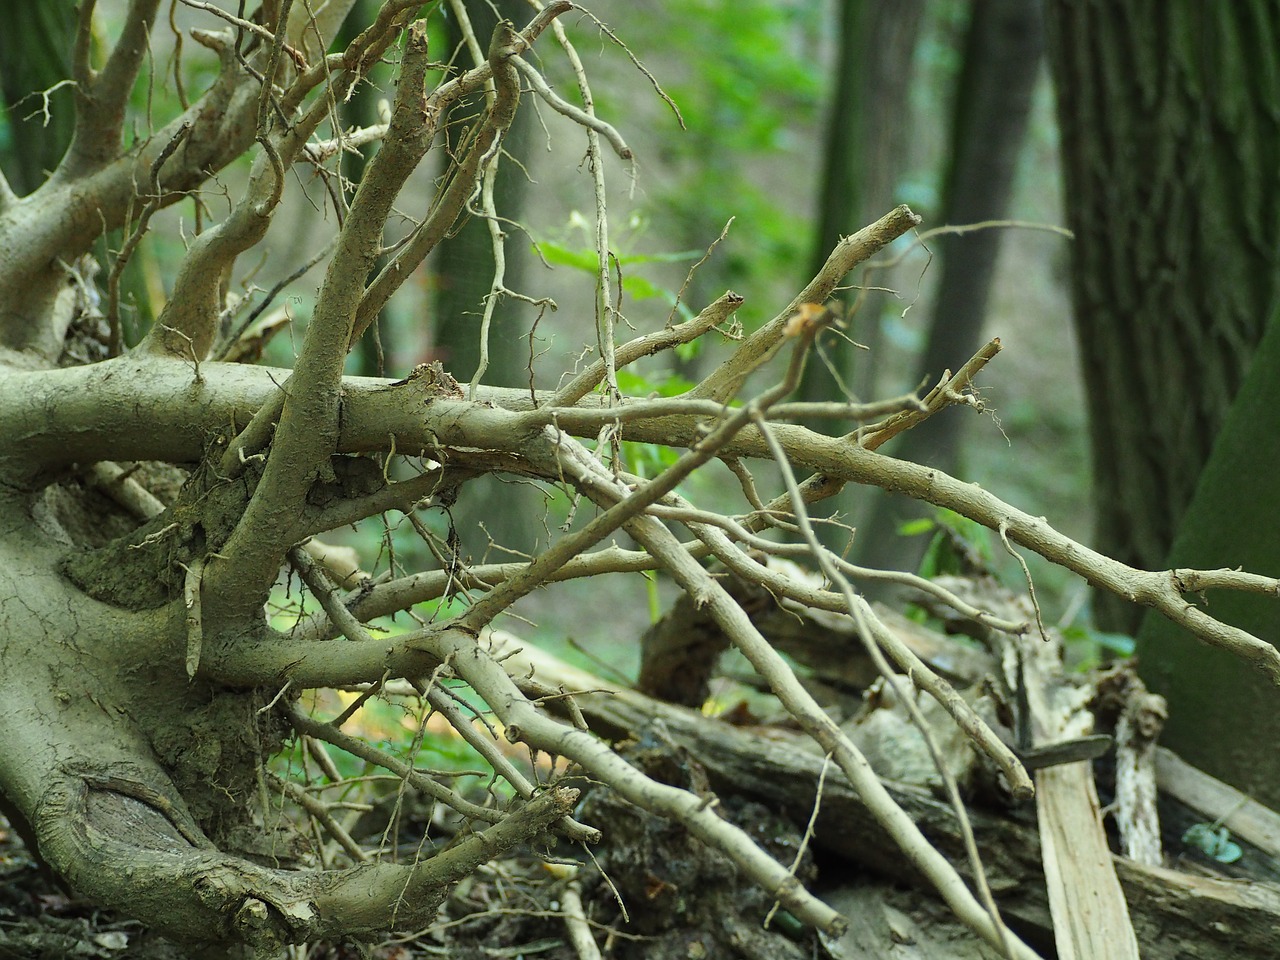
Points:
(950, 389)
(272, 67)
(715, 314)
(700, 519)
(358, 747)
(605, 308)
(576, 114)
(697, 582)
(555, 446)
(872, 632)
(523, 721)
(271, 294)
(323, 814)
(765, 342)
(317, 581)
(405, 592)
(448, 708)
(154, 200)
(505, 100)
(481, 149)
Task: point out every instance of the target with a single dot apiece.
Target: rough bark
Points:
(1169, 144)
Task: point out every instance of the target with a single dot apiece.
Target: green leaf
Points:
(678, 256)
(638, 385)
(638, 288)
(913, 528)
(561, 256)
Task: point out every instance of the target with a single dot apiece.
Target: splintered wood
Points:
(1090, 915)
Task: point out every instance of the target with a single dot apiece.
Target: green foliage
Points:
(963, 547)
(648, 459)
(663, 384)
(575, 249)
(1094, 647)
(745, 102)
(958, 546)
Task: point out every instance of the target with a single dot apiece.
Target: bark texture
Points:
(1170, 146)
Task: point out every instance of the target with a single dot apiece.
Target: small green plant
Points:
(1213, 840)
(958, 545)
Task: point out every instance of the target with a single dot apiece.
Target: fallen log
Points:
(1174, 913)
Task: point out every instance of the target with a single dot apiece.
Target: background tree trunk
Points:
(864, 155)
(865, 151)
(464, 266)
(463, 273)
(370, 356)
(1170, 146)
(1223, 713)
(1002, 56)
(34, 48)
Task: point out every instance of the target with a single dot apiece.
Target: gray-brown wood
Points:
(1090, 916)
(1174, 914)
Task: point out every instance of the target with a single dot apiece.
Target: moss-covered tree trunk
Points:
(1170, 148)
(1224, 715)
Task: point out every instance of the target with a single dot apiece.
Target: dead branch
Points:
(523, 721)
(727, 379)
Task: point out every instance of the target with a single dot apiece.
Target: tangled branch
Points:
(286, 455)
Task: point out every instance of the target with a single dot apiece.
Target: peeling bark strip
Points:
(195, 618)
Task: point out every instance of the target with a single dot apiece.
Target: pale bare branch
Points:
(726, 380)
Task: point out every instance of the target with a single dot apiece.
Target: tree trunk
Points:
(377, 347)
(1221, 712)
(1170, 146)
(1001, 64)
(505, 513)
(464, 267)
(865, 150)
(33, 61)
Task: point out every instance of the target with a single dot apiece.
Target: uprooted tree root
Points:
(145, 685)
